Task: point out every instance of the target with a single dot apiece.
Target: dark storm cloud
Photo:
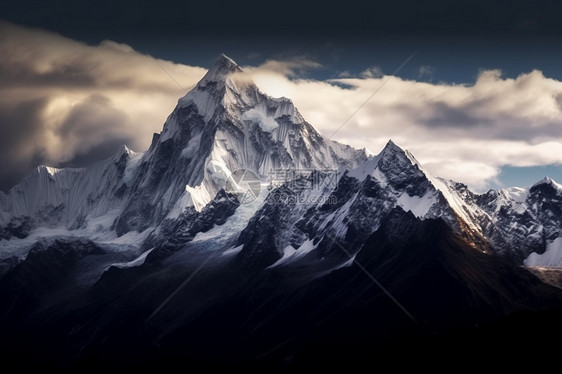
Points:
(505, 127)
(95, 117)
(94, 125)
(21, 122)
(101, 151)
(20, 126)
(558, 99)
(63, 102)
(446, 115)
(66, 74)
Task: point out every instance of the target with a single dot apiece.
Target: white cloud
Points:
(372, 72)
(461, 132)
(71, 97)
(120, 92)
(425, 72)
(287, 68)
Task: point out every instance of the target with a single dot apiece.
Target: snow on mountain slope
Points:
(549, 181)
(346, 213)
(418, 205)
(551, 258)
(527, 219)
(471, 216)
(224, 124)
(70, 198)
(461, 214)
(98, 229)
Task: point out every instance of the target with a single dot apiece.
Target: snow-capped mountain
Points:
(226, 124)
(145, 255)
(529, 219)
(348, 212)
(85, 201)
(516, 221)
(513, 222)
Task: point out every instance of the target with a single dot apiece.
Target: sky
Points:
(473, 90)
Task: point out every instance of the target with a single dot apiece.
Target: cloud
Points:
(278, 75)
(68, 103)
(291, 68)
(426, 72)
(372, 72)
(21, 132)
(462, 132)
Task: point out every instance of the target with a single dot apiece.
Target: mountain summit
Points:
(222, 68)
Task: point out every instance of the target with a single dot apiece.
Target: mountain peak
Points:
(216, 87)
(391, 149)
(222, 67)
(123, 151)
(390, 152)
(225, 60)
(548, 180)
(390, 145)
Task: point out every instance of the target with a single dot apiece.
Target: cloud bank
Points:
(63, 102)
(461, 132)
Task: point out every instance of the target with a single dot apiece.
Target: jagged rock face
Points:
(224, 124)
(164, 173)
(526, 220)
(546, 200)
(176, 233)
(347, 213)
(18, 227)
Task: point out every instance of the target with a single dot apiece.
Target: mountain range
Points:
(242, 236)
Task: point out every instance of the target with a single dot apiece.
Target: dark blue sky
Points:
(455, 39)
